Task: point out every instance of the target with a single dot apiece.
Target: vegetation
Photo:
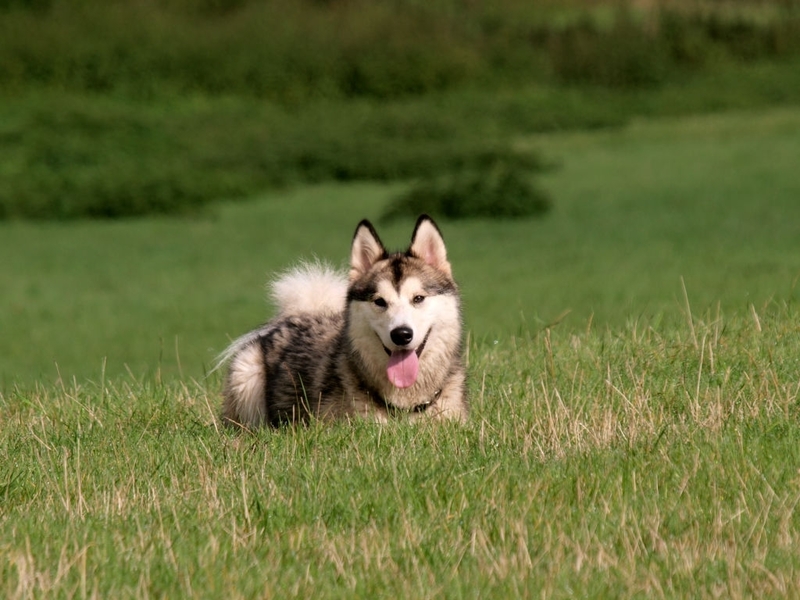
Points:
(597, 463)
(638, 209)
(633, 355)
(288, 51)
(114, 109)
(112, 159)
(498, 189)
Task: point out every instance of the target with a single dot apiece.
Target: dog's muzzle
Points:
(419, 349)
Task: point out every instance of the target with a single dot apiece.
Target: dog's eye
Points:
(418, 299)
(380, 302)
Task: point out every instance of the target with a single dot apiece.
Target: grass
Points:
(67, 155)
(628, 462)
(360, 49)
(641, 444)
(710, 201)
(122, 109)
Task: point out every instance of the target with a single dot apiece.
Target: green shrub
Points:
(626, 55)
(35, 5)
(495, 190)
(283, 50)
(633, 53)
(73, 157)
(685, 39)
(295, 50)
(355, 90)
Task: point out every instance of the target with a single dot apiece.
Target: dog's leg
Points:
(244, 397)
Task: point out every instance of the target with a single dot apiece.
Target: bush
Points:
(70, 157)
(295, 50)
(636, 54)
(624, 56)
(496, 190)
(100, 146)
(286, 50)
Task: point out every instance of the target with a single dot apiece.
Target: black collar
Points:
(396, 410)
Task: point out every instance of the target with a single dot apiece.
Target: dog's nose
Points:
(402, 336)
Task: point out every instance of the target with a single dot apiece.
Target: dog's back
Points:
(274, 370)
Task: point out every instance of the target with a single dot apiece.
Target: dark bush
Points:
(624, 56)
(295, 50)
(497, 190)
(35, 5)
(69, 158)
(685, 39)
(693, 38)
(285, 50)
(121, 134)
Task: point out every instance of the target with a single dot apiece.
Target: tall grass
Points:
(637, 460)
(643, 445)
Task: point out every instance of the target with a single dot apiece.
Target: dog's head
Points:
(400, 301)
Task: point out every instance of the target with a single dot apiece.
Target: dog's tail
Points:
(309, 288)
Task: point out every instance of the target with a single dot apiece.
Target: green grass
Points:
(710, 201)
(641, 445)
(293, 51)
(623, 463)
(120, 109)
(66, 155)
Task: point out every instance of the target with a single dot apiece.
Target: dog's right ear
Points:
(366, 251)
(427, 244)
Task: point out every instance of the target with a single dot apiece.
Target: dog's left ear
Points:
(427, 243)
(367, 249)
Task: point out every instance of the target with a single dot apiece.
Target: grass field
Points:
(707, 201)
(634, 375)
(625, 463)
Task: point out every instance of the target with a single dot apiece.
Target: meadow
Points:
(633, 350)
(707, 203)
(123, 108)
(633, 373)
(623, 463)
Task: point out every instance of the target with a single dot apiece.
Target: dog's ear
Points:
(367, 249)
(427, 243)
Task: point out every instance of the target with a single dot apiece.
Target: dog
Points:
(384, 341)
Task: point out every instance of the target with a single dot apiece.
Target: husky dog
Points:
(381, 342)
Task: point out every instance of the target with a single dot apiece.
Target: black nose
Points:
(402, 336)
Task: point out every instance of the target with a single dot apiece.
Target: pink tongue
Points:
(403, 368)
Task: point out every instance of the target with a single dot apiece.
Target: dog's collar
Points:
(418, 408)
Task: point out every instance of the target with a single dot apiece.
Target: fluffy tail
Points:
(309, 288)
(315, 288)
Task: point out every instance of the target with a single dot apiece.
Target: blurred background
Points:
(592, 162)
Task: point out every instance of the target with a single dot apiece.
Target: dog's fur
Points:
(342, 346)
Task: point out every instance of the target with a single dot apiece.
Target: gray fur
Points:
(328, 363)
